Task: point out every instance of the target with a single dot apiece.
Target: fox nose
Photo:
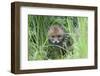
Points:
(55, 41)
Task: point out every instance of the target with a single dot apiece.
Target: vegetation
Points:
(38, 45)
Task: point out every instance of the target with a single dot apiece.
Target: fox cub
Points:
(61, 42)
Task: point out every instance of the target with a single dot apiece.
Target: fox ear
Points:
(50, 26)
(62, 27)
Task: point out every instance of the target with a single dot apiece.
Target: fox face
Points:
(55, 34)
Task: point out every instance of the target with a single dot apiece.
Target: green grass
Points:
(38, 45)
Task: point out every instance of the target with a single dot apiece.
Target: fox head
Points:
(56, 34)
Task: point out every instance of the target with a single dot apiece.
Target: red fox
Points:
(60, 39)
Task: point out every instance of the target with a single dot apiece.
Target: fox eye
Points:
(59, 35)
(53, 36)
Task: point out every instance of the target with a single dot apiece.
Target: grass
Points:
(38, 45)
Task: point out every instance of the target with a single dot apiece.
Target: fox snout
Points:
(55, 41)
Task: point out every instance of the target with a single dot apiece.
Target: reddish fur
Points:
(55, 30)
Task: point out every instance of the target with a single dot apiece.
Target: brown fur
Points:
(55, 30)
